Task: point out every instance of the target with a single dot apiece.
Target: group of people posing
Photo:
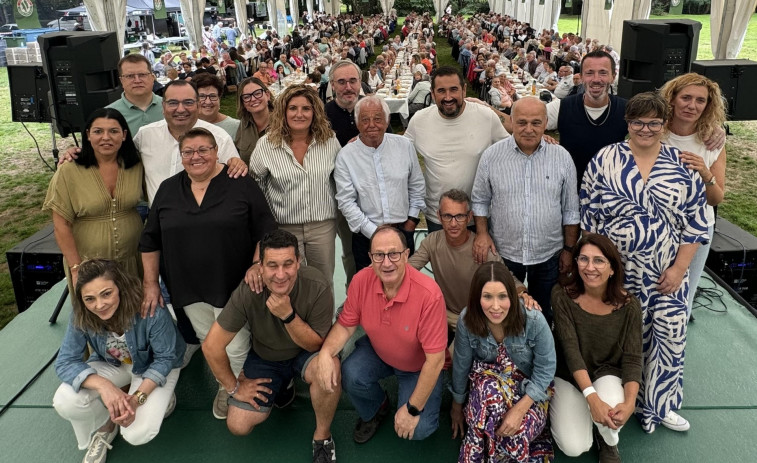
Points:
(239, 246)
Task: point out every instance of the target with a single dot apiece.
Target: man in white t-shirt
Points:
(450, 138)
(158, 142)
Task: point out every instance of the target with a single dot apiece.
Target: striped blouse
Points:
(297, 194)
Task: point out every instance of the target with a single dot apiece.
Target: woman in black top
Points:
(202, 233)
(598, 331)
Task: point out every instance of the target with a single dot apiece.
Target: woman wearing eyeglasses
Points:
(209, 93)
(502, 372)
(293, 164)
(254, 106)
(640, 195)
(598, 333)
(204, 227)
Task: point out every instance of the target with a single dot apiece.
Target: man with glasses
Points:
(263, 74)
(402, 313)
(158, 143)
(138, 104)
(378, 180)
(526, 188)
(450, 252)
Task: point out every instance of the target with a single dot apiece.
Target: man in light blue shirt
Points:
(525, 203)
(378, 180)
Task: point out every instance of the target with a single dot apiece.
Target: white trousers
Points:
(87, 413)
(202, 316)
(571, 418)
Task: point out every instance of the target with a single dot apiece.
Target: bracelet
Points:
(235, 390)
(589, 391)
(568, 248)
(74, 267)
(254, 263)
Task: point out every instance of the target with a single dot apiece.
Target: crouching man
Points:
(288, 321)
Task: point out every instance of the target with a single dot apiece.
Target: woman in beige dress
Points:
(94, 199)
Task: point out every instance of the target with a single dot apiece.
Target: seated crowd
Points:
(240, 239)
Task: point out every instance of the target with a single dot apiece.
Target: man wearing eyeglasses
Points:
(450, 252)
(158, 142)
(378, 180)
(525, 203)
(402, 313)
(138, 104)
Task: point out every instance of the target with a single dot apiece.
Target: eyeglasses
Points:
(211, 96)
(203, 151)
(141, 75)
(378, 257)
(173, 104)
(343, 82)
(599, 262)
(653, 126)
(459, 218)
(256, 94)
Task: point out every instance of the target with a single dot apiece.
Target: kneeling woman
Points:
(598, 330)
(128, 350)
(509, 355)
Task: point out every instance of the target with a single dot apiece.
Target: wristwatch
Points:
(413, 410)
(289, 319)
(711, 182)
(568, 248)
(141, 397)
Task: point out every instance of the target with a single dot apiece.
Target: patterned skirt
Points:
(495, 388)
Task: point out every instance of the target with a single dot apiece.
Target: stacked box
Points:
(17, 55)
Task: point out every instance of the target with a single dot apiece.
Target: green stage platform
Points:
(719, 400)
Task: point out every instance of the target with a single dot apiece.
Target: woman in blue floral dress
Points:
(638, 194)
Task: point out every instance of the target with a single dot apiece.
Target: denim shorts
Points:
(280, 373)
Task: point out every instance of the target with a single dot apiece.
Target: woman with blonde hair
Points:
(697, 111)
(293, 164)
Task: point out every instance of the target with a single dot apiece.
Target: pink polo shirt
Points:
(403, 329)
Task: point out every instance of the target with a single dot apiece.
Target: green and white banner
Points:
(676, 7)
(159, 9)
(222, 6)
(25, 12)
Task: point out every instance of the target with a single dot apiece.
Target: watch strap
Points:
(413, 410)
(290, 318)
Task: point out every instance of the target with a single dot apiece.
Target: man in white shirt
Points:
(378, 180)
(158, 143)
(450, 137)
(561, 86)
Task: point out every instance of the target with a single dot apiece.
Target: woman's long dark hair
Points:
(127, 154)
(129, 291)
(475, 319)
(574, 285)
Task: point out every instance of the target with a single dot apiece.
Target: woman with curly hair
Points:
(143, 354)
(293, 164)
(696, 113)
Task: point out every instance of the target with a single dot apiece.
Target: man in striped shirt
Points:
(526, 189)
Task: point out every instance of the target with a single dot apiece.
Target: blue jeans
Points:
(541, 278)
(361, 372)
(697, 267)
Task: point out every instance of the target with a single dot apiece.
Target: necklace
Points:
(588, 116)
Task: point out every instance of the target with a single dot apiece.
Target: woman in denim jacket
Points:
(128, 350)
(509, 356)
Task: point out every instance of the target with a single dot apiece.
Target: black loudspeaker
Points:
(733, 257)
(654, 51)
(30, 88)
(36, 265)
(83, 72)
(737, 79)
(250, 10)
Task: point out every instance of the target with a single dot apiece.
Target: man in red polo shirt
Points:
(403, 314)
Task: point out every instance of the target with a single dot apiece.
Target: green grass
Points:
(24, 177)
(704, 51)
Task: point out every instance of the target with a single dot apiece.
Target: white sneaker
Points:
(99, 446)
(675, 422)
